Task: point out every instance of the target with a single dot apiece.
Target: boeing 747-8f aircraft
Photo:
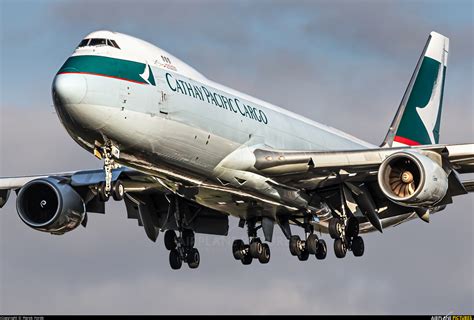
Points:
(186, 155)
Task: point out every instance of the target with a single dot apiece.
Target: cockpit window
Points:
(114, 44)
(83, 43)
(98, 42)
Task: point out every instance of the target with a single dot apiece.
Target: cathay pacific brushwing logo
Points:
(147, 75)
(429, 113)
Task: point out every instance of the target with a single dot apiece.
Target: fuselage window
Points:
(83, 43)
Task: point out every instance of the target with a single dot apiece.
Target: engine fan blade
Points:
(402, 192)
(395, 174)
(411, 188)
(397, 189)
(407, 190)
(393, 180)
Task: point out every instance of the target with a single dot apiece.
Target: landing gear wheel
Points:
(193, 258)
(255, 248)
(170, 240)
(352, 228)
(335, 227)
(340, 248)
(321, 250)
(303, 255)
(357, 246)
(294, 245)
(118, 191)
(247, 258)
(237, 249)
(103, 196)
(175, 260)
(264, 257)
(188, 238)
(312, 243)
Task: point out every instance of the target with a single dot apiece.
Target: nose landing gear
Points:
(107, 188)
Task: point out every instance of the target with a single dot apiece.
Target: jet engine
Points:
(50, 205)
(413, 180)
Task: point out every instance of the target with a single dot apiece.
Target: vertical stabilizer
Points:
(419, 115)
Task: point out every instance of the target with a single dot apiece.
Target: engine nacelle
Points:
(413, 180)
(49, 205)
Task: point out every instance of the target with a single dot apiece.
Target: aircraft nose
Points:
(69, 88)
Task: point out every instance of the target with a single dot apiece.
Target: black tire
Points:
(247, 258)
(256, 249)
(294, 245)
(304, 255)
(188, 238)
(340, 248)
(352, 228)
(103, 196)
(170, 240)
(175, 260)
(193, 258)
(335, 225)
(312, 243)
(237, 249)
(118, 191)
(322, 250)
(264, 257)
(357, 246)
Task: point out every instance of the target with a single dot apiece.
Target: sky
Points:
(342, 63)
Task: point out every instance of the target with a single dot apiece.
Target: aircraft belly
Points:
(207, 192)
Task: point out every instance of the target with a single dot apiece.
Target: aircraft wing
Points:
(84, 182)
(309, 170)
(148, 199)
(80, 178)
(350, 179)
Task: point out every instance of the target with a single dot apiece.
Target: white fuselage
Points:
(169, 120)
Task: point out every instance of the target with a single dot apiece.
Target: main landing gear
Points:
(310, 245)
(182, 249)
(247, 252)
(254, 250)
(345, 233)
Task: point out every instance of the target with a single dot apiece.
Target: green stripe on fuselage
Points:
(106, 66)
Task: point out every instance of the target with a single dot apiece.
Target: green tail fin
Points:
(419, 116)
